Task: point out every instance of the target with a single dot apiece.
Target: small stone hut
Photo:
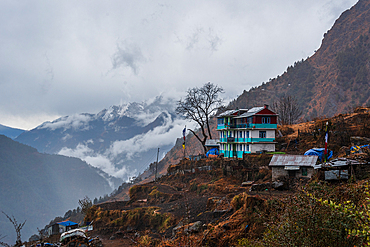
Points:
(292, 166)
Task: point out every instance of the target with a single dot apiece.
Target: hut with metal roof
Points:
(292, 166)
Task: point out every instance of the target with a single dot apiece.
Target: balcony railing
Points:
(234, 154)
(245, 140)
(246, 126)
(231, 139)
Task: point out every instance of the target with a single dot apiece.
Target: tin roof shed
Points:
(293, 160)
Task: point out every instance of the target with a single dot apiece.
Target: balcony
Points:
(231, 139)
(245, 140)
(246, 126)
(234, 154)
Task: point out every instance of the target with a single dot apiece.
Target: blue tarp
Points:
(213, 151)
(319, 152)
(67, 223)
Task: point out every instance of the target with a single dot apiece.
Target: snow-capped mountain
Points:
(121, 140)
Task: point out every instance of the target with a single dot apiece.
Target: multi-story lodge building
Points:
(246, 131)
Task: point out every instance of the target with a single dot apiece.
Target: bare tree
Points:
(42, 234)
(2, 243)
(18, 228)
(85, 204)
(199, 105)
(288, 109)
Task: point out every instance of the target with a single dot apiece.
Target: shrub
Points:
(321, 215)
(238, 201)
(193, 187)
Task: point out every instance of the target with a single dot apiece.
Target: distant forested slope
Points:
(37, 187)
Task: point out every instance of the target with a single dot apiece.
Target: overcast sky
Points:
(58, 58)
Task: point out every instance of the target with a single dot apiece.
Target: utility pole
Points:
(156, 166)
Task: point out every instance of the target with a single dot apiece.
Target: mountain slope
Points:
(318, 82)
(122, 140)
(334, 80)
(10, 132)
(37, 187)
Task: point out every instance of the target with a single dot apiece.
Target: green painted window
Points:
(304, 171)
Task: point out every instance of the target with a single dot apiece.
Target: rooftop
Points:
(293, 160)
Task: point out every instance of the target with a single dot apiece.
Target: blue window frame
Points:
(266, 120)
(262, 134)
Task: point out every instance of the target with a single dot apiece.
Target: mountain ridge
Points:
(36, 187)
(10, 132)
(120, 140)
(332, 79)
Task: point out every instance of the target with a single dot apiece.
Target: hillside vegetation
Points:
(204, 203)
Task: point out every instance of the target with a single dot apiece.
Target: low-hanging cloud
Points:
(100, 161)
(166, 134)
(75, 121)
(161, 135)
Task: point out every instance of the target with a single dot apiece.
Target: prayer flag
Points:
(326, 141)
(183, 134)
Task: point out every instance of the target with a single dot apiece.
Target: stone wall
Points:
(279, 171)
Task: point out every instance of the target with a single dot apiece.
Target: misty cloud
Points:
(128, 56)
(65, 57)
(131, 148)
(102, 162)
(76, 121)
(201, 39)
(164, 135)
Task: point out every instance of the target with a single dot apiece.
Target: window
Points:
(247, 147)
(266, 120)
(250, 120)
(247, 134)
(304, 171)
(241, 134)
(241, 147)
(262, 134)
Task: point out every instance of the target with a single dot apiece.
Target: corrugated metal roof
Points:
(256, 109)
(227, 113)
(212, 142)
(338, 163)
(247, 114)
(230, 113)
(293, 160)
